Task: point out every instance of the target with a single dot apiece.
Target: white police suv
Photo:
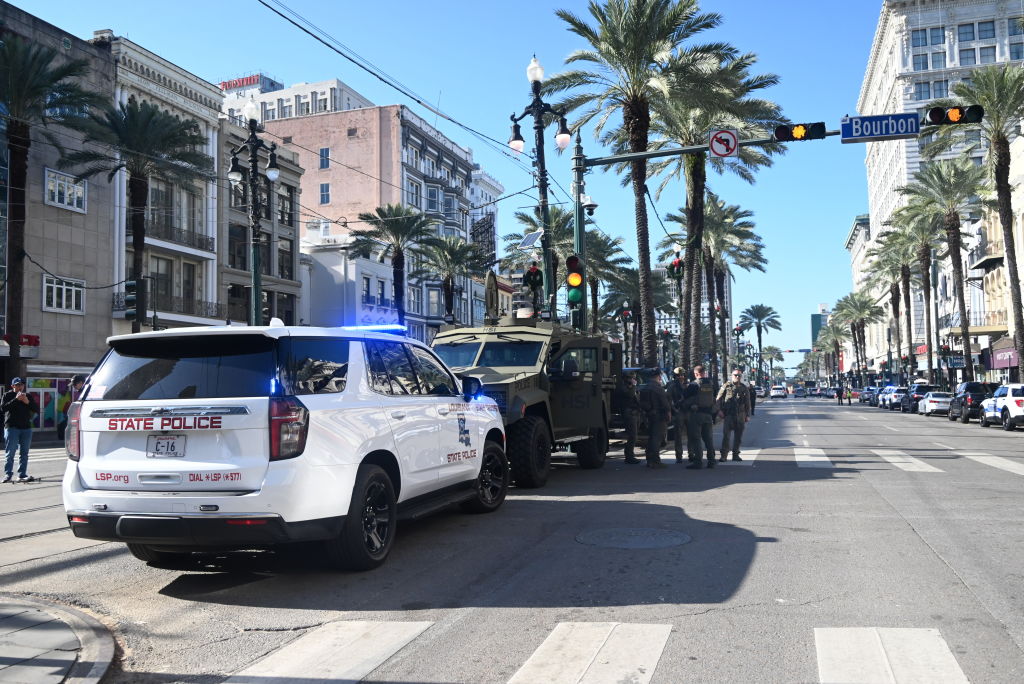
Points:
(211, 439)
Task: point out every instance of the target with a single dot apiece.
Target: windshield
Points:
(201, 367)
(510, 354)
(457, 354)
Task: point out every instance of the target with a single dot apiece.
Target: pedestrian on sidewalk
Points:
(849, 397)
(733, 406)
(628, 401)
(676, 389)
(19, 407)
(839, 395)
(699, 406)
(659, 413)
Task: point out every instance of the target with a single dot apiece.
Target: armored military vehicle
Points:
(552, 384)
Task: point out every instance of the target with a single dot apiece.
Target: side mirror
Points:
(471, 387)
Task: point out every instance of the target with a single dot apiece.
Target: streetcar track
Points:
(27, 535)
(31, 510)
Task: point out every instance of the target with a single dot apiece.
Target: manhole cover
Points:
(633, 538)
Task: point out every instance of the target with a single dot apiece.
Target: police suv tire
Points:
(529, 452)
(492, 483)
(1007, 421)
(965, 416)
(359, 545)
(950, 416)
(591, 453)
(155, 557)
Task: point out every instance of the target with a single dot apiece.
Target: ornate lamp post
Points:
(250, 111)
(537, 109)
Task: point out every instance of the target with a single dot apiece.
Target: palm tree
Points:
(1000, 90)
(146, 142)
(832, 337)
(626, 288)
(560, 225)
(887, 266)
(897, 247)
(761, 317)
(637, 62)
(398, 228)
(605, 261)
(948, 188)
(771, 354)
(447, 259)
(37, 90)
(858, 310)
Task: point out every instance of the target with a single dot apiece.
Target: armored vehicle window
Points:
(433, 378)
(398, 367)
(316, 365)
(576, 360)
(457, 354)
(199, 367)
(510, 354)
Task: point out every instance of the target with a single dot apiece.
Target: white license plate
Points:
(165, 446)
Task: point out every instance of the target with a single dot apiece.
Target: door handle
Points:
(398, 415)
(443, 410)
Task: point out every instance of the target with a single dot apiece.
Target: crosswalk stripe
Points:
(343, 652)
(885, 655)
(811, 458)
(996, 462)
(905, 461)
(596, 653)
(748, 458)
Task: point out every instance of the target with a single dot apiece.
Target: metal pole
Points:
(256, 301)
(537, 110)
(579, 232)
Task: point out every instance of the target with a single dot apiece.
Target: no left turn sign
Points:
(723, 143)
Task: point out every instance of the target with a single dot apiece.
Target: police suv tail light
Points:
(73, 433)
(289, 423)
(1019, 402)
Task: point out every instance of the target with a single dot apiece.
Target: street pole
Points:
(579, 233)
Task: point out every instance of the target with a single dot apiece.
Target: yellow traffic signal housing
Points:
(574, 281)
(950, 116)
(800, 131)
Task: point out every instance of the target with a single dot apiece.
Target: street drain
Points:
(633, 538)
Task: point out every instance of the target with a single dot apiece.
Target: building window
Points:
(919, 38)
(920, 62)
(922, 91)
(321, 104)
(433, 198)
(284, 259)
(63, 295)
(286, 111)
(987, 55)
(161, 271)
(414, 300)
(352, 132)
(62, 190)
(965, 32)
(938, 60)
(382, 300)
(238, 247)
(1014, 26)
(286, 206)
(986, 29)
(938, 35)
(325, 193)
(285, 309)
(189, 285)
(265, 253)
(1016, 50)
(325, 157)
(940, 88)
(270, 115)
(240, 193)
(434, 302)
(968, 57)
(449, 207)
(303, 108)
(413, 193)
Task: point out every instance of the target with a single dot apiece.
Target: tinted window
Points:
(433, 378)
(457, 354)
(1017, 392)
(576, 360)
(380, 380)
(200, 367)
(1001, 392)
(510, 354)
(398, 367)
(316, 365)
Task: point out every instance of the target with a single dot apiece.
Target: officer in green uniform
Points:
(659, 412)
(734, 408)
(699, 405)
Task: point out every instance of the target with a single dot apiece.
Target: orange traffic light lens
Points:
(574, 279)
(954, 114)
(799, 131)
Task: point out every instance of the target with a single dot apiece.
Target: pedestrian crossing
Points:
(603, 653)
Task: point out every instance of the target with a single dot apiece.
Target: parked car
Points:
(799, 392)
(760, 392)
(814, 392)
(779, 392)
(867, 394)
(883, 396)
(830, 393)
(914, 395)
(967, 398)
(1005, 407)
(934, 402)
(895, 398)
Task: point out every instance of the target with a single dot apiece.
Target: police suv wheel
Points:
(155, 557)
(529, 452)
(492, 482)
(1007, 421)
(369, 530)
(983, 420)
(965, 417)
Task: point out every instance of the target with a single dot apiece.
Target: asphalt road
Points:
(859, 545)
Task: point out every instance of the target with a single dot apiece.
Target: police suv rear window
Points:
(200, 367)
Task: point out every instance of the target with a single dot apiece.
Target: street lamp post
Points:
(538, 108)
(253, 144)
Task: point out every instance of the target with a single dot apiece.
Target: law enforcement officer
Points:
(699, 406)
(659, 413)
(629, 408)
(734, 408)
(533, 281)
(676, 389)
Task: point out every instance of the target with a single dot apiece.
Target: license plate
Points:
(165, 446)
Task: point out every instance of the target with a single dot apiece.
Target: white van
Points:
(201, 439)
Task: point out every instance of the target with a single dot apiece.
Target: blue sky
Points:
(471, 57)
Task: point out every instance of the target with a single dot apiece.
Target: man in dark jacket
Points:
(659, 412)
(699, 406)
(628, 402)
(19, 407)
(676, 390)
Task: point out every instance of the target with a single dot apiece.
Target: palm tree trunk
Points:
(18, 141)
(1001, 146)
(723, 333)
(138, 198)
(398, 276)
(924, 259)
(760, 355)
(709, 277)
(593, 282)
(448, 292)
(894, 302)
(637, 121)
(911, 357)
(696, 327)
(957, 260)
(696, 183)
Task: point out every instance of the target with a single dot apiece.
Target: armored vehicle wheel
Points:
(529, 452)
(591, 453)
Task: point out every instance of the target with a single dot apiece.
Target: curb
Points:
(97, 643)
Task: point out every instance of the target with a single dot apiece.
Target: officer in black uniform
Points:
(533, 280)
(676, 390)
(699, 405)
(658, 414)
(628, 401)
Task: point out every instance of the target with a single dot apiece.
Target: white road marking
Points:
(885, 655)
(905, 462)
(807, 442)
(890, 428)
(811, 458)
(338, 651)
(596, 653)
(995, 461)
(942, 446)
(748, 458)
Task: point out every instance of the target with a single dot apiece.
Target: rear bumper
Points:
(218, 531)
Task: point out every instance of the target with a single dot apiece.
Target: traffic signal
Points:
(948, 116)
(802, 131)
(574, 281)
(131, 298)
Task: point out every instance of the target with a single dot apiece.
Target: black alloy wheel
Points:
(1007, 421)
(492, 482)
(368, 532)
(965, 416)
(377, 521)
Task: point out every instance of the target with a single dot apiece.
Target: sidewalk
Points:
(43, 643)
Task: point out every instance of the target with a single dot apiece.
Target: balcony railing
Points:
(177, 305)
(978, 319)
(985, 255)
(180, 236)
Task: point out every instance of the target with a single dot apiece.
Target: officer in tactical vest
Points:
(699, 406)
(628, 402)
(533, 281)
(659, 412)
(676, 390)
(734, 408)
